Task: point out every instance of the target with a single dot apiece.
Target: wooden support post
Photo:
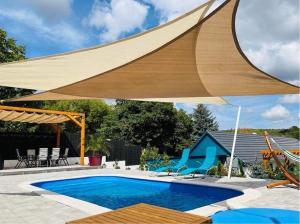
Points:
(266, 162)
(279, 183)
(74, 120)
(58, 132)
(82, 140)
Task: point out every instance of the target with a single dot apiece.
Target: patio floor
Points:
(21, 171)
(18, 205)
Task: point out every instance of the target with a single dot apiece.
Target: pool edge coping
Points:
(92, 209)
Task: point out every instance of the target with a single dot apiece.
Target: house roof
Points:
(248, 146)
(228, 152)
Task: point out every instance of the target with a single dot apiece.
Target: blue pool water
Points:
(117, 192)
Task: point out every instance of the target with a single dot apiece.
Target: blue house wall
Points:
(198, 151)
(205, 141)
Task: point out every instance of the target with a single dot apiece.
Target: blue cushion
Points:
(257, 215)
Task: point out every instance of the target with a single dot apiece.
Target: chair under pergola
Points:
(49, 117)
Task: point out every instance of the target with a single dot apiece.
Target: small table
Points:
(143, 213)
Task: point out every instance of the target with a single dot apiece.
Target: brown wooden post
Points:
(266, 162)
(58, 132)
(82, 139)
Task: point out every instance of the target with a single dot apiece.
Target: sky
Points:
(267, 31)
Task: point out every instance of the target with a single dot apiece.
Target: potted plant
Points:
(96, 147)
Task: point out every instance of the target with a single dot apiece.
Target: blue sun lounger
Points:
(209, 161)
(179, 165)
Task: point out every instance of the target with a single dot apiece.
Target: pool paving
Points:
(18, 205)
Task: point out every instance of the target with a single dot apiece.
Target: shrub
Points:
(149, 157)
(296, 170)
(96, 145)
(257, 170)
(212, 171)
(165, 159)
(277, 174)
(116, 165)
(221, 171)
(241, 167)
(218, 170)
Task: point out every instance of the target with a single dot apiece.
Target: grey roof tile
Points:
(248, 146)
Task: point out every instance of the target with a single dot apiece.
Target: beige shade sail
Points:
(38, 116)
(55, 96)
(191, 100)
(32, 117)
(188, 58)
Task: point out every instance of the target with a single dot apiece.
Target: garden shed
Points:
(248, 146)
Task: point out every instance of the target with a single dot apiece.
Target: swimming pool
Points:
(115, 192)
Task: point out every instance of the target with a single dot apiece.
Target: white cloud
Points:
(170, 9)
(53, 10)
(270, 42)
(262, 22)
(116, 18)
(291, 98)
(281, 59)
(295, 82)
(276, 113)
(58, 33)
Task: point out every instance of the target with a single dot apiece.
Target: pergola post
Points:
(82, 139)
(58, 133)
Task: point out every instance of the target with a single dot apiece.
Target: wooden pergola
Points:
(42, 116)
(267, 156)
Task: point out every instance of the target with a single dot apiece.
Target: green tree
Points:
(111, 128)
(203, 121)
(146, 123)
(149, 124)
(182, 132)
(95, 111)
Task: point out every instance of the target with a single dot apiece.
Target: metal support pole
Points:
(234, 141)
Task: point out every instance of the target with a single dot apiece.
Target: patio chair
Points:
(31, 157)
(42, 156)
(54, 157)
(176, 166)
(209, 161)
(64, 157)
(21, 159)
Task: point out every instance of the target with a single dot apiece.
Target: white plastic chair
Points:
(42, 156)
(64, 157)
(31, 157)
(54, 156)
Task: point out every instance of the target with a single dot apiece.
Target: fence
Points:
(10, 141)
(120, 150)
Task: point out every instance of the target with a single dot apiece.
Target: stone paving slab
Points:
(18, 205)
(23, 171)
